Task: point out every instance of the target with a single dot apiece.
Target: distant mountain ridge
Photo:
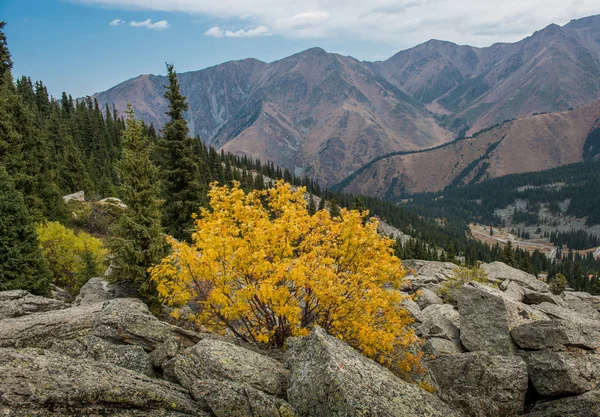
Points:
(528, 144)
(327, 115)
(554, 69)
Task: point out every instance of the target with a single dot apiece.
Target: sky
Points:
(87, 46)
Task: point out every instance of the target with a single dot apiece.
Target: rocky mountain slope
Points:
(532, 143)
(326, 115)
(533, 353)
(554, 69)
(313, 112)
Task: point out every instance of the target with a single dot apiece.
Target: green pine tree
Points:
(334, 208)
(321, 203)
(24, 149)
(358, 204)
(5, 60)
(22, 265)
(508, 256)
(138, 241)
(312, 208)
(184, 191)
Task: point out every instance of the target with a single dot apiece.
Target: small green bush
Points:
(462, 275)
(558, 284)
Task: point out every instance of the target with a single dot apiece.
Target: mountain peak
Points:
(584, 22)
(316, 51)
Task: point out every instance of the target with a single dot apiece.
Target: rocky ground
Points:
(503, 350)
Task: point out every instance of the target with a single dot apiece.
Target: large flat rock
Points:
(487, 316)
(17, 303)
(500, 272)
(35, 382)
(558, 373)
(584, 405)
(480, 384)
(329, 378)
(556, 334)
(225, 361)
(120, 321)
(230, 380)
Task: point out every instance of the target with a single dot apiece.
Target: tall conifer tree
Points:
(21, 265)
(138, 241)
(184, 191)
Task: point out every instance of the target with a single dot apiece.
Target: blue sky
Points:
(71, 45)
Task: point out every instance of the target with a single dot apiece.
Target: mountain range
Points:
(331, 116)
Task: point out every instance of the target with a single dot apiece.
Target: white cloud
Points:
(304, 20)
(395, 22)
(160, 25)
(217, 32)
(116, 22)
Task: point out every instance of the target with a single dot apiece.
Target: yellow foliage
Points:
(73, 258)
(263, 268)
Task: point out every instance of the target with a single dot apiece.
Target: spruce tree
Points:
(24, 149)
(138, 241)
(334, 208)
(5, 60)
(312, 207)
(22, 265)
(508, 256)
(183, 189)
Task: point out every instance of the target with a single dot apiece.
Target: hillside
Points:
(326, 115)
(313, 112)
(532, 143)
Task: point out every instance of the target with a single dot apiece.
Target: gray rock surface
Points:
(480, 384)
(565, 314)
(130, 357)
(119, 321)
(231, 399)
(221, 360)
(78, 196)
(514, 291)
(446, 310)
(41, 383)
(439, 270)
(426, 297)
(534, 297)
(436, 346)
(413, 308)
(593, 300)
(487, 316)
(60, 294)
(439, 321)
(329, 378)
(17, 303)
(97, 289)
(499, 272)
(427, 274)
(586, 305)
(166, 351)
(231, 380)
(584, 405)
(555, 373)
(556, 334)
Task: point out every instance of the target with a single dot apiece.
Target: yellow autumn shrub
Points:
(263, 268)
(73, 257)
